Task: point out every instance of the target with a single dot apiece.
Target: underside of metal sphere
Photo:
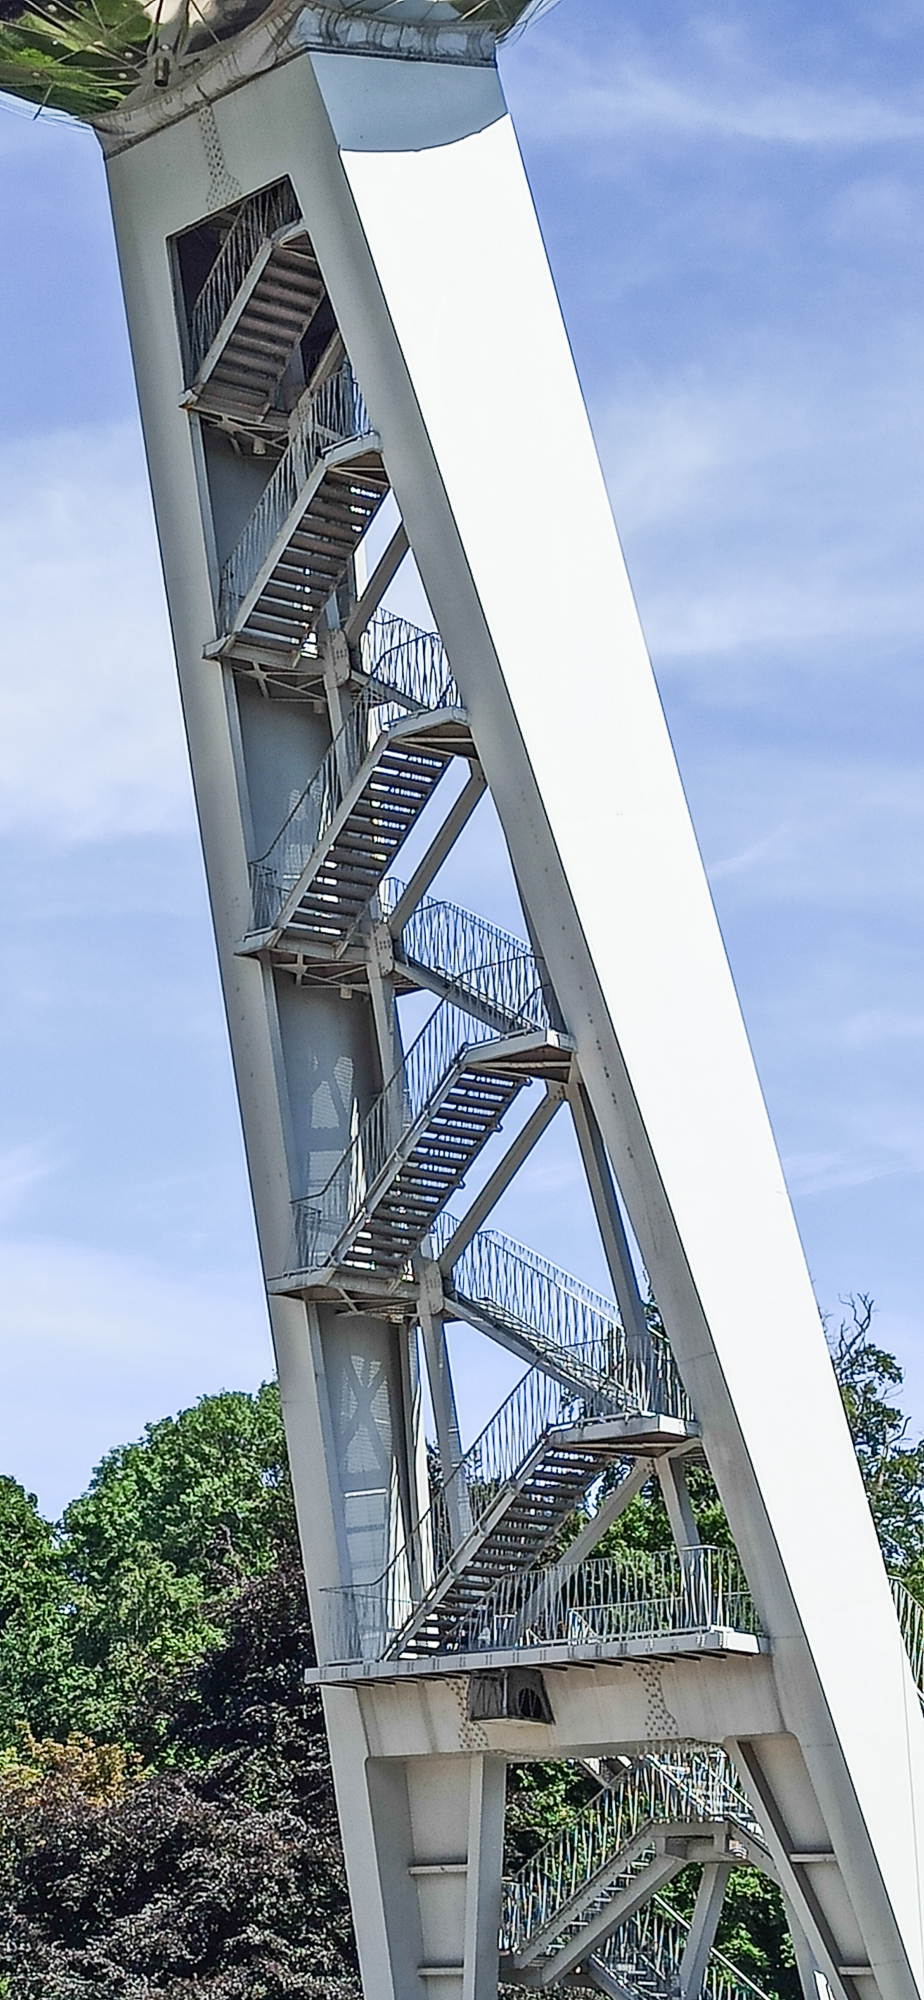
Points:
(86, 56)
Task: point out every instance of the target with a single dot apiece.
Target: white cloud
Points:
(711, 86)
(878, 1026)
(822, 829)
(22, 1168)
(671, 444)
(873, 1141)
(778, 502)
(90, 733)
(96, 1344)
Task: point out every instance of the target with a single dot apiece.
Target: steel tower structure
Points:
(350, 358)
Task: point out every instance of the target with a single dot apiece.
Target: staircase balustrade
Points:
(689, 1783)
(406, 657)
(605, 1601)
(514, 1287)
(335, 415)
(259, 219)
(321, 1219)
(911, 1619)
(645, 1954)
(637, 1594)
(488, 965)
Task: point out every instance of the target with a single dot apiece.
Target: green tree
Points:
(169, 1525)
(892, 1463)
(220, 1878)
(39, 1678)
(165, 1623)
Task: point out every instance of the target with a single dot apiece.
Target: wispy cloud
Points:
(711, 80)
(90, 733)
(775, 501)
(878, 1026)
(22, 1169)
(886, 1156)
(835, 832)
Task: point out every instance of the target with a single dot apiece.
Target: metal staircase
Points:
(464, 958)
(309, 521)
(419, 1140)
(506, 1503)
(552, 1321)
(628, 1841)
(642, 1960)
(317, 877)
(486, 1570)
(518, 1526)
(495, 1571)
(257, 302)
(508, 1497)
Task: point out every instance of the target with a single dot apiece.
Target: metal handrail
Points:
(487, 965)
(693, 1782)
(324, 1217)
(379, 1610)
(645, 1954)
(518, 1290)
(256, 221)
(606, 1601)
(638, 1594)
(911, 1620)
(407, 657)
(334, 415)
(273, 874)
(406, 680)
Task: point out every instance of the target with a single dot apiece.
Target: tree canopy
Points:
(167, 1820)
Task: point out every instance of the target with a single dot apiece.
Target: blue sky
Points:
(733, 203)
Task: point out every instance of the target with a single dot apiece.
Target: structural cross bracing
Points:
(354, 442)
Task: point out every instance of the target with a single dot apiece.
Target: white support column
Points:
(488, 1779)
(706, 1913)
(673, 1477)
(609, 1218)
(419, 222)
(806, 1962)
(442, 1394)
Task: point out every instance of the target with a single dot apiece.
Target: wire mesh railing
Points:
(519, 1291)
(372, 1616)
(639, 1594)
(322, 1219)
(645, 1953)
(378, 706)
(334, 415)
(605, 1602)
(405, 656)
(911, 1620)
(257, 220)
(689, 1783)
(485, 965)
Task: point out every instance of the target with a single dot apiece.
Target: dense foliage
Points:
(218, 1875)
(891, 1464)
(197, 1853)
(167, 1825)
